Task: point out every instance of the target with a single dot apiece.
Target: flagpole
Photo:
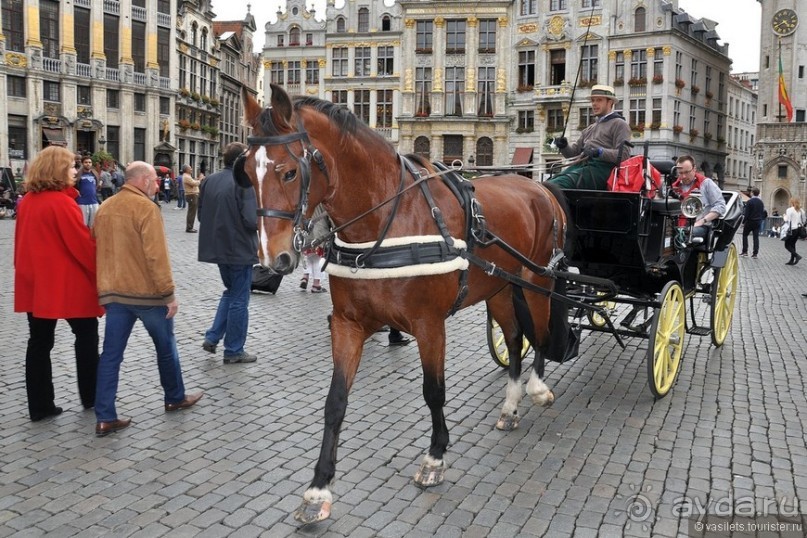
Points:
(779, 82)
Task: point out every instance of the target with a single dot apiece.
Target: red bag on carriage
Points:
(629, 176)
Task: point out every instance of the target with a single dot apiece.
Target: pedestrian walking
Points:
(135, 282)
(191, 187)
(754, 216)
(87, 186)
(794, 221)
(54, 278)
(228, 237)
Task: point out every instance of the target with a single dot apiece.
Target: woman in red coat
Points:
(54, 278)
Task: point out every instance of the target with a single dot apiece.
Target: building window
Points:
(165, 106)
(49, 28)
(361, 105)
(140, 102)
(423, 147)
(139, 144)
(557, 5)
(183, 71)
(192, 78)
(801, 71)
(679, 65)
(312, 72)
(339, 97)
(364, 19)
(16, 86)
(113, 141)
(452, 148)
(83, 95)
(707, 123)
(692, 124)
(636, 117)
(527, 7)
(81, 27)
(113, 98)
(586, 117)
(782, 171)
(17, 137)
(592, 3)
(339, 61)
(51, 91)
(554, 119)
(485, 88)
(294, 37)
(484, 151)
(281, 41)
(800, 114)
(455, 37)
(309, 39)
(526, 121)
(526, 69)
(294, 72)
(693, 81)
(386, 23)
(640, 20)
(454, 90)
(557, 66)
(423, 36)
(619, 69)
(14, 25)
(656, 112)
(638, 65)
(487, 35)
(362, 62)
(164, 51)
(588, 63)
(386, 61)
(139, 46)
(658, 63)
(383, 109)
(276, 74)
(194, 34)
(423, 90)
(340, 25)
(111, 35)
(203, 44)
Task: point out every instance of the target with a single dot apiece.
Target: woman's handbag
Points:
(802, 232)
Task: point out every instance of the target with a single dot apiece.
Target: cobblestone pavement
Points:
(605, 460)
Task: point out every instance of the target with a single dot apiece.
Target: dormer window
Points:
(640, 20)
(204, 39)
(340, 25)
(194, 34)
(364, 19)
(294, 37)
(386, 23)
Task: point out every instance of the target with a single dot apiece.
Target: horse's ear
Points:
(251, 108)
(281, 104)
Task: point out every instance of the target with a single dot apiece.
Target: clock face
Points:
(784, 22)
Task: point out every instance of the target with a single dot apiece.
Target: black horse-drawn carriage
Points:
(642, 247)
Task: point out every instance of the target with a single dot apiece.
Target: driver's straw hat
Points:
(602, 90)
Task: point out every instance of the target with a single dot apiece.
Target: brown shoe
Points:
(105, 428)
(189, 401)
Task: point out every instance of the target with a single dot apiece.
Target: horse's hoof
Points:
(507, 423)
(431, 472)
(316, 506)
(544, 399)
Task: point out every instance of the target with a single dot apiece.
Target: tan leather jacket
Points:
(131, 251)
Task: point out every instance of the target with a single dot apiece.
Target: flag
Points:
(784, 100)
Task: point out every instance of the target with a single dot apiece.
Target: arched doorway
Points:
(484, 151)
(423, 147)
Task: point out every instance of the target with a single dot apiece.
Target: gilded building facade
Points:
(85, 74)
(780, 169)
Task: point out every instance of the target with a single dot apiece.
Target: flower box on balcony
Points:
(638, 128)
(695, 89)
(693, 134)
(655, 126)
(709, 94)
(658, 79)
(195, 126)
(195, 96)
(184, 92)
(678, 129)
(523, 88)
(637, 81)
(184, 124)
(680, 84)
(619, 81)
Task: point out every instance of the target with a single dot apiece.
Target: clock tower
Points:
(780, 153)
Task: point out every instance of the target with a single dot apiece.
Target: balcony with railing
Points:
(386, 132)
(112, 74)
(139, 13)
(52, 65)
(84, 70)
(165, 83)
(112, 7)
(164, 19)
(140, 78)
(83, 3)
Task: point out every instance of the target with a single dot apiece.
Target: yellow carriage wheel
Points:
(666, 340)
(724, 293)
(598, 320)
(497, 345)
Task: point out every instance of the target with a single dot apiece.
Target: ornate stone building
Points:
(781, 149)
(740, 137)
(86, 74)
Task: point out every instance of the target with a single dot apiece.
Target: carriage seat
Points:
(665, 166)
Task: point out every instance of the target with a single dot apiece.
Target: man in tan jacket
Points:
(191, 196)
(135, 282)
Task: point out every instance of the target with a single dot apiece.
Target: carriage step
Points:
(700, 331)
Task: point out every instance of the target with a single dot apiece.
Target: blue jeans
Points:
(120, 319)
(181, 199)
(232, 315)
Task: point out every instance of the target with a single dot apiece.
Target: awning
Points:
(55, 136)
(522, 156)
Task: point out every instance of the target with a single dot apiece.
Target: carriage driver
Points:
(714, 206)
(602, 142)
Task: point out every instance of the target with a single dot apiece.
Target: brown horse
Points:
(311, 152)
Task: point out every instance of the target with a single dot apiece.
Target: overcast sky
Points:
(739, 22)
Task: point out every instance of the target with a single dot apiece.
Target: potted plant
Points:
(695, 89)
(214, 102)
(637, 81)
(707, 136)
(206, 99)
(658, 79)
(195, 126)
(678, 129)
(619, 81)
(655, 126)
(638, 128)
(522, 88)
(184, 92)
(195, 96)
(184, 124)
(709, 94)
(721, 140)
(680, 84)
(693, 134)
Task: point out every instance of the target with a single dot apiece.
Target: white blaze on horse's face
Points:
(262, 163)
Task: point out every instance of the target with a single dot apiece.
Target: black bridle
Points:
(303, 170)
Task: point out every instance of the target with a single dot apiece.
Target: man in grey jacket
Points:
(602, 143)
(228, 237)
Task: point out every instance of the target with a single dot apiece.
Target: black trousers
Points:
(38, 370)
(751, 227)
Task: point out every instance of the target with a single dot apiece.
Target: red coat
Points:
(54, 258)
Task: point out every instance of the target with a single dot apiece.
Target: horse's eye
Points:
(290, 175)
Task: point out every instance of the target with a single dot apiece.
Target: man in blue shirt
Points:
(87, 186)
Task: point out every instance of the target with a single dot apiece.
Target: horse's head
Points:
(278, 165)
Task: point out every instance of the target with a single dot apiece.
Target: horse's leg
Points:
(431, 339)
(347, 343)
(501, 308)
(540, 393)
